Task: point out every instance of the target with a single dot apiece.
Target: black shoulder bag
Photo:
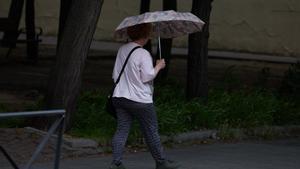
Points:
(109, 105)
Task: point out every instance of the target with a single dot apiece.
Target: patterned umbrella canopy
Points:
(166, 24)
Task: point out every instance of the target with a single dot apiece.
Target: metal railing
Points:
(58, 126)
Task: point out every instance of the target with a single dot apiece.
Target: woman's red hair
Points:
(139, 31)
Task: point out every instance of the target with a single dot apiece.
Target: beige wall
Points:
(265, 26)
(269, 26)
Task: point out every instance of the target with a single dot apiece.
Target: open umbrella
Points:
(166, 24)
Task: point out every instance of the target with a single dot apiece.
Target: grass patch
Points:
(243, 108)
(91, 120)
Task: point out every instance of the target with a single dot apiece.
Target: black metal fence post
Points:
(59, 142)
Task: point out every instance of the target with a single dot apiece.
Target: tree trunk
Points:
(76, 38)
(145, 7)
(197, 80)
(15, 13)
(166, 44)
(65, 6)
(32, 43)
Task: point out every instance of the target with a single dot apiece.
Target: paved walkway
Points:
(282, 154)
(113, 46)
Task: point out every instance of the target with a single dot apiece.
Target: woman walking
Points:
(133, 97)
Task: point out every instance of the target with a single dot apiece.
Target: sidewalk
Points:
(213, 54)
(279, 154)
(113, 46)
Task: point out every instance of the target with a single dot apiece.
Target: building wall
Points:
(269, 26)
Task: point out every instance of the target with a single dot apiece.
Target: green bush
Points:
(10, 122)
(289, 112)
(3, 108)
(291, 82)
(243, 108)
(224, 109)
(91, 120)
(176, 115)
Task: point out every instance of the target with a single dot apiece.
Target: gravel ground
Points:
(20, 145)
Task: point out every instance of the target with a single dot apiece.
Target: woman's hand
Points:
(160, 63)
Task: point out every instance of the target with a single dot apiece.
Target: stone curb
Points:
(190, 136)
(261, 132)
(71, 142)
(89, 146)
(78, 146)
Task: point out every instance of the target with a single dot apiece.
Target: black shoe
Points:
(168, 164)
(114, 166)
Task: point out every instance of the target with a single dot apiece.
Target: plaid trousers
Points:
(147, 118)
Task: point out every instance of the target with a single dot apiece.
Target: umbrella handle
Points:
(159, 47)
(159, 44)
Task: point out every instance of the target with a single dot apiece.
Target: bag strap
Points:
(122, 70)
